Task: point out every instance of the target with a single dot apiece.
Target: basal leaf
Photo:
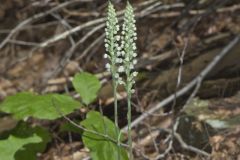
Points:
(101, 148)
(10, 146)
(87, 85)
(49, 106)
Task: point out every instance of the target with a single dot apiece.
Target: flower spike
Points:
(129, 37)
(111, 42)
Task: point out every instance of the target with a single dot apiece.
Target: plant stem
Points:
(129, 117)
(115, 103)
(116, 115)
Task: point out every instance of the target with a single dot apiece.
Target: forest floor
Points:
(177, 40)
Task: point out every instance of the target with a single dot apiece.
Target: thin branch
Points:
(92, 45)
(71, 31)
(24, 43)
(70, 52)
(189, 86)
(66, 26)
(182, 143)
(88, 24)
(36, 17)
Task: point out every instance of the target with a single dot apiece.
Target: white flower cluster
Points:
(129, 36)
(121, 50)
(111, 43)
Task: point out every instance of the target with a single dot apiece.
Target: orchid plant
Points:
(99, 134)
(121, 55)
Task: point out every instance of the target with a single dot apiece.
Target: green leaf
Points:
(29, 151)
(100, 147)
(49, 106)
(87, 85)
(11, 145)
(68, 127)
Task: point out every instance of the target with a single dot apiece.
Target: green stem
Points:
(116, 115)
(115, 103)
(129, 117)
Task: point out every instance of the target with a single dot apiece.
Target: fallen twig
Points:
(36, 17)
(70, 52)
(189, 86)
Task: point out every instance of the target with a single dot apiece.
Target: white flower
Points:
(106, 45)
(119, 53)
(120, 82)
(119, 48)
(134, 47)
(132, 90)
(108, 66)
(131, 66)
(119, 60)
(116, 75)
(118, 38)
(117, 26)
(135, 73)
(121, 69)
(105, 56)
(123, 53)
(134, 54)
(134, 61)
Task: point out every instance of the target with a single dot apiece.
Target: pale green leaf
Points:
(87, 85)
(49, 106)
(101, 148)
